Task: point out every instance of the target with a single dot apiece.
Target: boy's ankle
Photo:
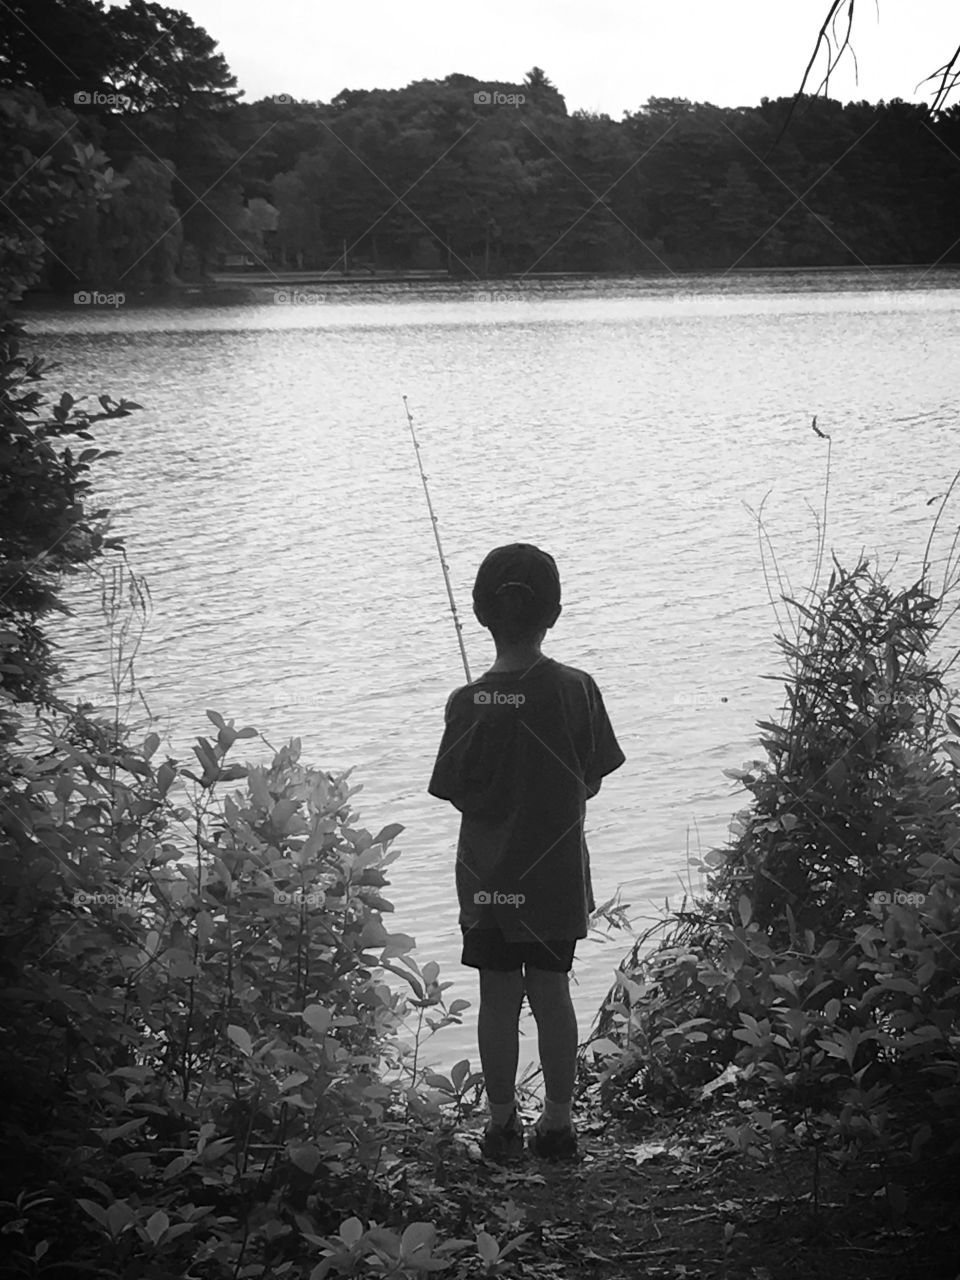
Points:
(500, 1112)
(556, 1115)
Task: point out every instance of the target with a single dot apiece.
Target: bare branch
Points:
(950, 78)
(949, 73)
(822, 38)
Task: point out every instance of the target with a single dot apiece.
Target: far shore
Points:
(237, 287)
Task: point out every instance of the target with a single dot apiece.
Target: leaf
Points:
(317, 1018)
(925, 972)
(241, 1038)
(647, 1151)
(307, 1158)
(177, 1166)
(351, 1230)
(119, 1217)
(460, 1071)
(515, 1243)
(388, 833)
(156, 1225)
(95, 1211)
(438, 1082)
(121, 1131)
(487, 1247)
(836, 773)
(746, 909)
(397, 944)
(178, 1229)
(417, 1236)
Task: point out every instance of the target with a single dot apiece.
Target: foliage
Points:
(481, 178)
(49, 177)
(202, 1060)
(821, 969)
(142, 53)
(201, 1054)
(46, 530)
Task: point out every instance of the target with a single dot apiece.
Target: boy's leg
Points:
(549, 996)
(498, 1033)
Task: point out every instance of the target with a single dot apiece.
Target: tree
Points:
(46, 530)
(161, 60)
(148, 56)
(49, 178)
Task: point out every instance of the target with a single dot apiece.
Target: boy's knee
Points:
(501, 988)
(547, 989)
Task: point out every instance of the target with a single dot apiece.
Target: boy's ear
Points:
(555, 616)
(480, 616)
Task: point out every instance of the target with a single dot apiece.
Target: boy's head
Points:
(517, 593)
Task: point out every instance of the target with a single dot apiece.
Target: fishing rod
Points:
(436, 534)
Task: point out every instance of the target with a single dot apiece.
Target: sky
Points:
(603, 55)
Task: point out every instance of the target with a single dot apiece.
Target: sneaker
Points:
(553, 1144)
(503, 1142)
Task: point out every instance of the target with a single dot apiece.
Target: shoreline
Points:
(253, 288)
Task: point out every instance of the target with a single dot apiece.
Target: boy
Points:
(523, 748)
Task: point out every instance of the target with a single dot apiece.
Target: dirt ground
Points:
(670, 1198)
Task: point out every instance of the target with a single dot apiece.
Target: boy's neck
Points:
(517, 658)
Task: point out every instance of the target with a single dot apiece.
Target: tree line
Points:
(473, 177)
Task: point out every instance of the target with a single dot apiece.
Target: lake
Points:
(269, 493)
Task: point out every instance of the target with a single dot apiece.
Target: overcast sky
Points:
(603, 55)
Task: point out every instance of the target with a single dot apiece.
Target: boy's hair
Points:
(517, 591)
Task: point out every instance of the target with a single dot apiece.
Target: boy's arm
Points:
(446, 781)
(473, 769)
(606, 755)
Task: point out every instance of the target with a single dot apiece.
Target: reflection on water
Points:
(269, 493)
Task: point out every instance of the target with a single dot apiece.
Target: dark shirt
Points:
(520, 755)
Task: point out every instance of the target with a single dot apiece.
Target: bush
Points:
(198, 1026)
(822, 967)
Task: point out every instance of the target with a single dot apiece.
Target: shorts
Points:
(489, 949)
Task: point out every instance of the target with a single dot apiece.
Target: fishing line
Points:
(436, 534)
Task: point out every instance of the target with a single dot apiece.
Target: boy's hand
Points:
(592, 785)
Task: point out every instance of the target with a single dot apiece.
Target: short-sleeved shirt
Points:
(520, 755)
